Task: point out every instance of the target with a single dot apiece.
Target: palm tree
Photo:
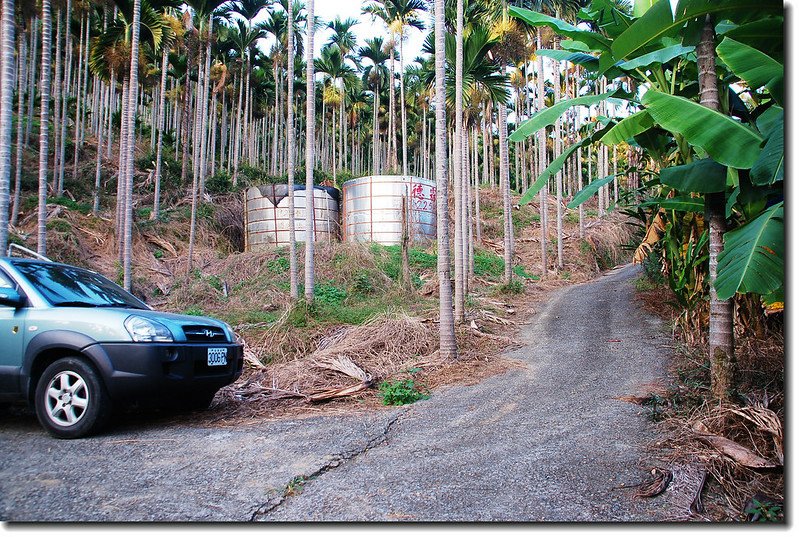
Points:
(309, 156)
(448, 346)
(332, 64)
(375, 76)
(244, 38)
(344, 39)
(6, 111)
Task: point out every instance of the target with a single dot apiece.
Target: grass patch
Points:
(489, 264)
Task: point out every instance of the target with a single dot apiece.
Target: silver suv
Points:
(75, 346)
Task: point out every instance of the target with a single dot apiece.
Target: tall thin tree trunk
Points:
(309, 157)
(65, 101)
(542, 161)
(559, 174)
(32, 80)
(448, 346)
(723, 365)
(133, 89)
(44, 126)
(504, 178)
(293, 269)
(160, 144)
(457, 167)
(6, 117)
(98, 165)
(21, 76)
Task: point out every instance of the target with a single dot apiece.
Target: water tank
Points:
(372, 209)
(266, 214)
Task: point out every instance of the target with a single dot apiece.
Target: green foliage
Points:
(753, 259)
(329, 294)
(514, 287)
(219, 183)
(401, 392)
(389, 259)
(487, 263)
(279, 265)
(59, 224)
(196, 311)
(764, 511)
(363, 283)
(520, 271)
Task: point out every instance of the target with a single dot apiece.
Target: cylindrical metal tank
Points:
(372, 209)
(266, 214)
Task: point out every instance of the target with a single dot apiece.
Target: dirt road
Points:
(543, 442)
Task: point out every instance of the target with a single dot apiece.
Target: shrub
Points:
(401, 392)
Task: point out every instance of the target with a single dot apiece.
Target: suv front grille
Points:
(204, 334)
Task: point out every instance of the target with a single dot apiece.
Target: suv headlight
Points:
(143, 329)
(236, 337)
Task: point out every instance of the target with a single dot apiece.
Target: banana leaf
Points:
(753, 258)
(588, 61)
(770, 166)
(557, 164)
(551, 170)
(595, 41)
(704, 176)
(628, 128)
(658, 21)
(680, 203)
(761, 34)
(586, 193)
(753, 67)
(726, 140)
(549, 116)
(659, 57)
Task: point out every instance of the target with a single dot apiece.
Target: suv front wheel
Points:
(71, 400)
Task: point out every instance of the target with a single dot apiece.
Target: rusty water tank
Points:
(266, 214)
(372, 209)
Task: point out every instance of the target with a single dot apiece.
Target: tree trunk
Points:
(447, 344)
(21, 76)
(542, 161)
(723, 366)
(65, 100)
(6, 117)
(44, 126)
(457, 165)
(504, 178)
(309, 158)
(160, 143)
(293, 269)
(133, 89)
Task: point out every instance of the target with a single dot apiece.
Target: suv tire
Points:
(71, 399)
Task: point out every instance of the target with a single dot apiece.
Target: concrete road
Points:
(547, 442)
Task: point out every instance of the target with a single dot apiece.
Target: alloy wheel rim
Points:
(67, 398)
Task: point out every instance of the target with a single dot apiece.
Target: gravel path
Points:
(545, 442)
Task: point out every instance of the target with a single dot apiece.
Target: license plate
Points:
(217, 356)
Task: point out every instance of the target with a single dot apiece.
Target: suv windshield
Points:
(64, 285)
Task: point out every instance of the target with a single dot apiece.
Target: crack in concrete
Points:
(295, 484)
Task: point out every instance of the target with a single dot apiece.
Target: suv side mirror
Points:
(12, 298)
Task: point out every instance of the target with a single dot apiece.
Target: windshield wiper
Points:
(77, 304)
(123, 305)
(84, 304)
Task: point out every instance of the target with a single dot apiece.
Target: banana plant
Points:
(737, 151)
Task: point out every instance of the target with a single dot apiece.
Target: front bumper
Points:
(144, 372)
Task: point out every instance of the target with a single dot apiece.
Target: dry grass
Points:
(753, 421)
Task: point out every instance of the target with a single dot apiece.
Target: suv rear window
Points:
(63, 285)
